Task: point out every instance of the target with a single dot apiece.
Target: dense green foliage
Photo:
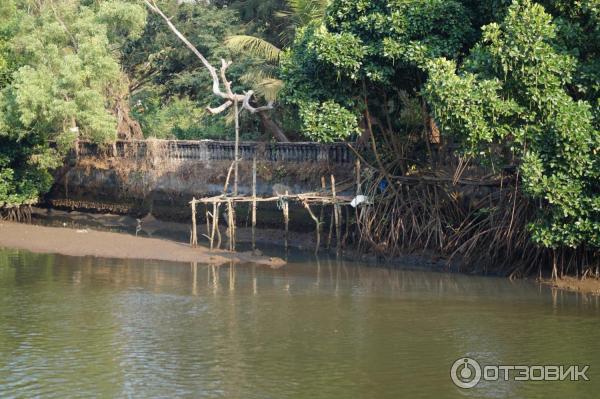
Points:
(370, 49)
(60, 77)
(512, 91)
(166, 78)
(170, 87)
(578, 34)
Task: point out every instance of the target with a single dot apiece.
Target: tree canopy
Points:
(513, 90)
(61, 80)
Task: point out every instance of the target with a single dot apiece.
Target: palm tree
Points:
(300, 13)
(303, 12)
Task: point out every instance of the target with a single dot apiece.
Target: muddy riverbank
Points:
(589, 285)
(87, 242)
(172, 238)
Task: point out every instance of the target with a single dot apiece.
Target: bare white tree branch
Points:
(230, 97)
(228, 94)
(221, 108)
(246, 104)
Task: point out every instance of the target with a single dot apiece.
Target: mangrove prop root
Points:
(484, 231)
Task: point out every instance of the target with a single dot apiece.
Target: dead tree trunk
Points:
(273, 128)
(230, 98)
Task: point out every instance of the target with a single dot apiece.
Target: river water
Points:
(89, 327)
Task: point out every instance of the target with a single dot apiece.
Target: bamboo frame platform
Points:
(306, 199)
(313, 197)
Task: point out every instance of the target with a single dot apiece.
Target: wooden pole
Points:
(208, 228)
(231, 224)
(231, 167)
(357, 169)
(317, 224)
(254, 203)
(237, 146)
(336, 214)
(286, 218)
(215, 226)
(194, 231)
(329, 237)
(322, 214)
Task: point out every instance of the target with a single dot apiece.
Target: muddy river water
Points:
(316, 328)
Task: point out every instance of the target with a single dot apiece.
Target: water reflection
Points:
(86, 327)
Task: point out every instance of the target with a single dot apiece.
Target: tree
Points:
(260, 18)
(514, 91)
(578, 34)
(264, 78)
(166, 76)
(369, 52)
(64, 83)
(227, 95)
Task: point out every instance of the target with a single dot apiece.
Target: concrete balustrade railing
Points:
(206, 150)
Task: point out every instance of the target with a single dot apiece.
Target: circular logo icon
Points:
(465, 373)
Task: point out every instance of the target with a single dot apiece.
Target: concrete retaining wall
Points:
(161, 176)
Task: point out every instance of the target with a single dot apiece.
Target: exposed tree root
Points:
(21, 214)
(484, 229)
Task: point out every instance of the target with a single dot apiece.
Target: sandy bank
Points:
(114, 245)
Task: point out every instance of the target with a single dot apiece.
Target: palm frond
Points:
(263, 83)
(255, 75)
(306, 11)
(255, 45)
(269, 88)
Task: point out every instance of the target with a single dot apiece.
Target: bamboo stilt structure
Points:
(304, 199)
